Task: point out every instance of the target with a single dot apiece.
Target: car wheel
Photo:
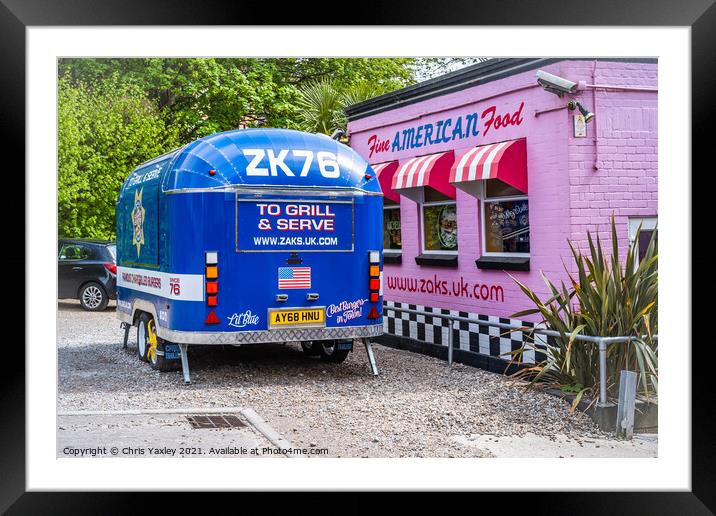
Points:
(310, 348)
(143, 337)
(93, 297)
(329, 353)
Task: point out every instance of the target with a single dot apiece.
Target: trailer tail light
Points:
(211, 260)
(211, 318)
(111, 267)
(374, 278)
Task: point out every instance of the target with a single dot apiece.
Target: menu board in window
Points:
(507, 226)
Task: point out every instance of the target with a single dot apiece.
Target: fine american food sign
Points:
(444, 130)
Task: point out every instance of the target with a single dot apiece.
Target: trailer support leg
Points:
(126, 327)
(371, 356)
(185, 363)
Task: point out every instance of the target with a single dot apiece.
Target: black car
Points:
(87, 270)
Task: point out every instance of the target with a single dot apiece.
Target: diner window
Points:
(505, 220)
(438, 220)
(648, 228)
(392, 240)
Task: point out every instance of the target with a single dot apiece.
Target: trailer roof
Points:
(278, 158)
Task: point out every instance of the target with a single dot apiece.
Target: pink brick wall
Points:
(567, 195)
(617, 171)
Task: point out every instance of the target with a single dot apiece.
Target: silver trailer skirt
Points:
(263, 336)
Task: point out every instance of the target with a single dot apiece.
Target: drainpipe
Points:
(596, 118)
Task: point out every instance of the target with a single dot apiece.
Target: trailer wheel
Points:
(158, 359)
(310, 348)
(329, 353)
(143, 336)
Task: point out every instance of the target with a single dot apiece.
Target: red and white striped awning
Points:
(506, 161)
(385, 173)
(380, 167)
(430, 170)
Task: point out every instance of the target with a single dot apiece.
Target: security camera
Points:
(554, 84)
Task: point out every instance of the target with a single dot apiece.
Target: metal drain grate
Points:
(215, 421)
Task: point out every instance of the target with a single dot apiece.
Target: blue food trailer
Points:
(251, 236)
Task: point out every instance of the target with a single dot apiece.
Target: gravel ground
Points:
(417, 407)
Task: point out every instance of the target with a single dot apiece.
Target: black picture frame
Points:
(17, 15)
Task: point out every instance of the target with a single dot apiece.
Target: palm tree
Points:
(318, 104)
(321, 103)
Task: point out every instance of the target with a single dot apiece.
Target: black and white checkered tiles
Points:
(473, 337)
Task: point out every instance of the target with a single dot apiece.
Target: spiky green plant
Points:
(607, 298)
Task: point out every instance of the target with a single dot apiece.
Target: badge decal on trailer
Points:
(138, 221)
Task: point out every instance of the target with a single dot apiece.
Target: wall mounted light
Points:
(588, 115)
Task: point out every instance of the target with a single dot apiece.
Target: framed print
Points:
(162, 147)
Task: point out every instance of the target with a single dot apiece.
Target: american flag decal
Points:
(294, 277)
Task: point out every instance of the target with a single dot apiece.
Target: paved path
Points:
(560, 446)
(158, 435)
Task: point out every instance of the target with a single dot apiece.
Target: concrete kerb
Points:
(646, 415)
(267, 431)
(141, 412)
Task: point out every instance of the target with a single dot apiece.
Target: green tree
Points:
(115, 113)
(201, 96)
(104, 132)
(425, 68)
